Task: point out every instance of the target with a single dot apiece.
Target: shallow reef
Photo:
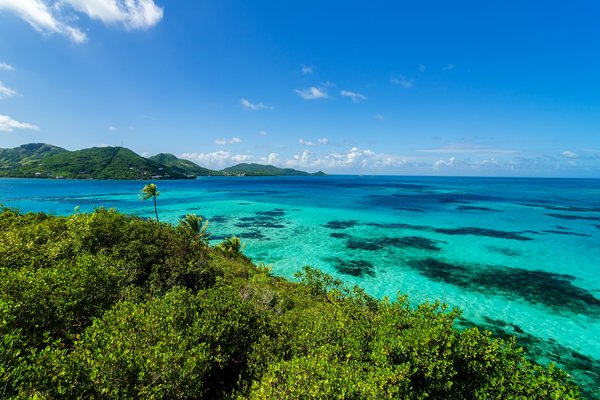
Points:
(482, 232)
(573, 217)
(555, 291)
(504, 250)
(341, 224)
(414, 242)
(476, 208)
(584, 369)
(358, 268)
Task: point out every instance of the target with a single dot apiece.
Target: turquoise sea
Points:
(519, 256)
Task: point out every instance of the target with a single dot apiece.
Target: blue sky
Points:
(506, 88)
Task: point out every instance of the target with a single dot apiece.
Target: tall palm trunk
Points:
(155, 210)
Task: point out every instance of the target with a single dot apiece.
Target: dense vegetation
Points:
(104, 305)
(264, 170)
(185, 167)
(39, 160)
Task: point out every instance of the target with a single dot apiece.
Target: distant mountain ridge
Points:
(41, 160)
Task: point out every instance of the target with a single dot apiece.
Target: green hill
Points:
(264, 170)
(47, 161)
(40, 160)
(185, 167)
(27, 155)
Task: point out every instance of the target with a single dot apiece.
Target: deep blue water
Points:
(518, 256)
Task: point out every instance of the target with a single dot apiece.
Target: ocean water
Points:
(518, 256)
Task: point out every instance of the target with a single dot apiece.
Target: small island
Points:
(41, 160)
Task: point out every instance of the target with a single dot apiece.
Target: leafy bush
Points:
(104, 305)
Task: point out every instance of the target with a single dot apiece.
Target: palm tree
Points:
(232, 247)
(150, 190)
(193, 223)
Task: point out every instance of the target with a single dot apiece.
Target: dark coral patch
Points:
(358, 268)
(476, 208)
(573, 217)
(482, 232)
(564, 208)
(420, 210)
(552, 290)
(398, 225)
(584, 369)
(415, 242)
(557, 232)
(341, 224)
(260, 224)
(253, 234)
(338, 235)
(275, 213)
(504, 251)
(218, 218)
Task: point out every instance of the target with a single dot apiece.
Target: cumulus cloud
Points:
(568, 154)
(217, 159)
(320, 141)
(232, 140)
(355, 97)
(312, 93)
(113, 128)
(7, 124)
(353, 158)
(6, 67)
(6, 91)
(402, 81)
(130, 14)
(57, 16)
(254, 106)
(271, 159)
(305, 142)
(306, 70)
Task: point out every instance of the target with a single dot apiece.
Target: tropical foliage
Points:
(150, 191)
(109, 306)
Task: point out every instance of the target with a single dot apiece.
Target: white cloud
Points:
(467, 149)
(312, 93)
(353, 158)
(305, 142)
(262, 133)
(6, 91)
(6, 66)
(306, 70)
(323, 140)
(449, 67)
(130, 14)
(402, 81)
(271, 159)
(41, 18)
(7, 124)
(356, 97)
(113, 128)
(568, 154)
(56, 16)
(217, 159)
(233, 140)
(254, 106)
